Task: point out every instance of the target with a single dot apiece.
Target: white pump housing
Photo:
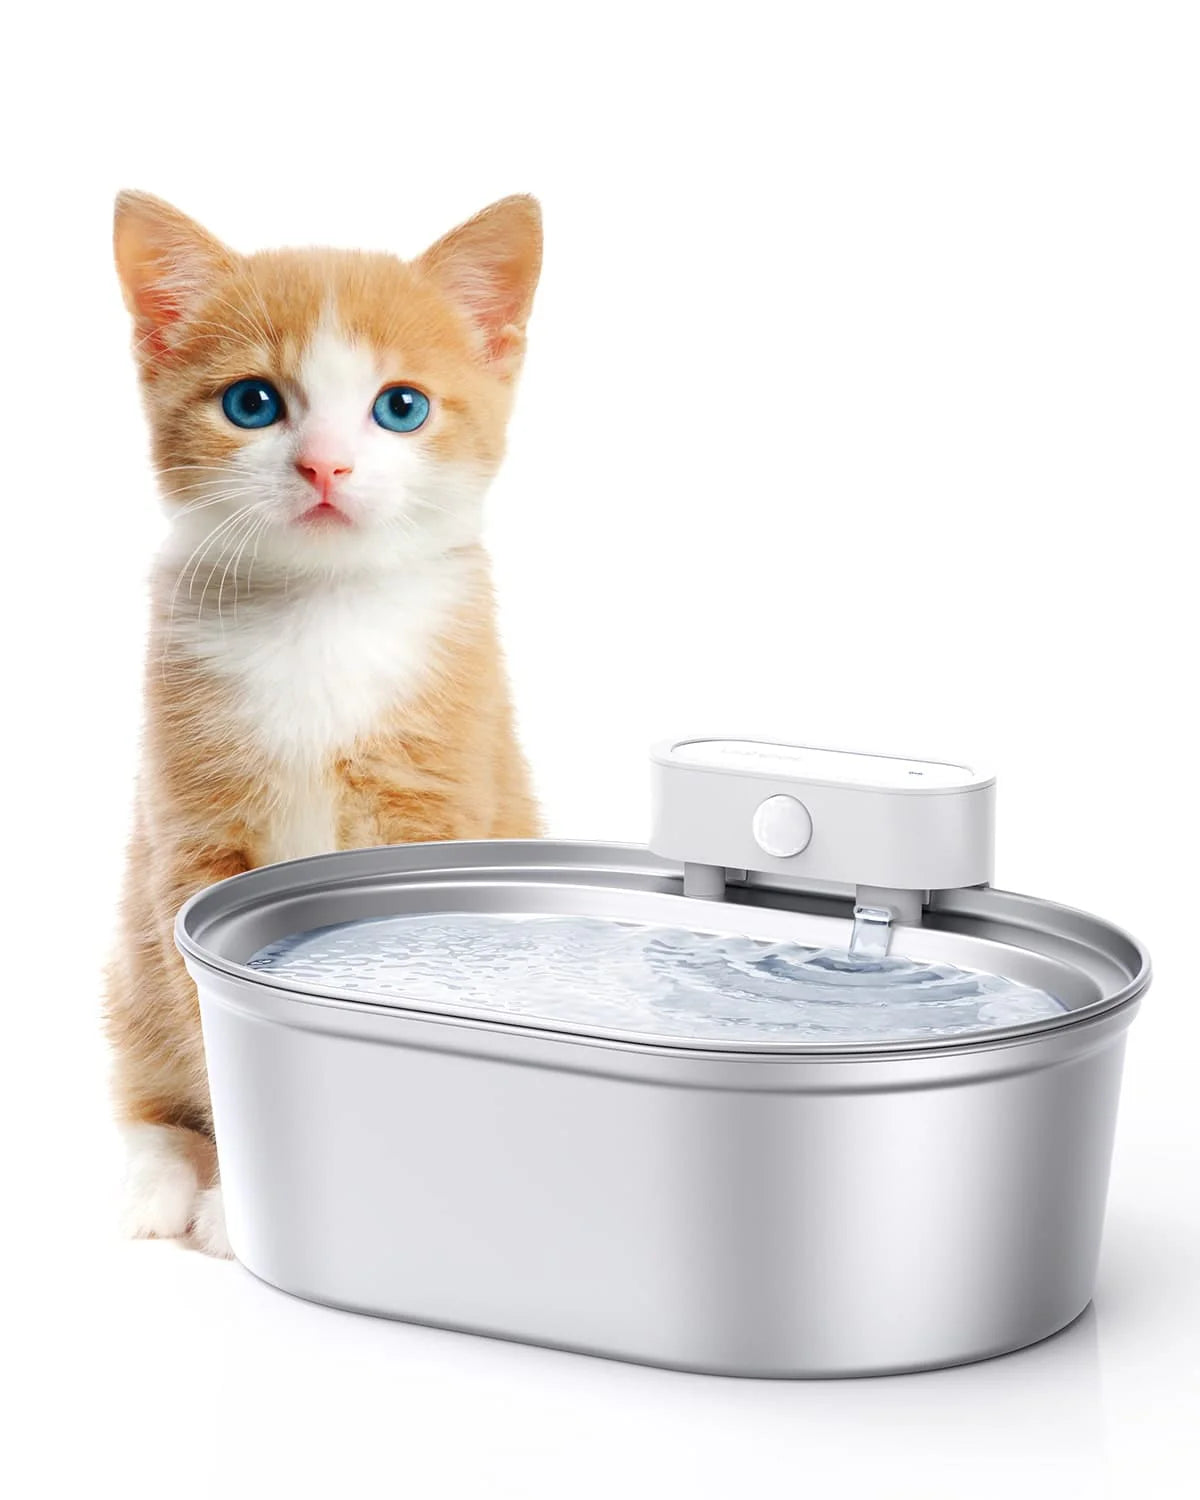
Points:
(869, 821)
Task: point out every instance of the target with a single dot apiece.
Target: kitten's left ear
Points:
(166, 262)
(489, 268)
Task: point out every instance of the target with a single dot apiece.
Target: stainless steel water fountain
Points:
(740, 1202)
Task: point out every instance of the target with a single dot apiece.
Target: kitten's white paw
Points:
(160, 1183)
(208, 1224)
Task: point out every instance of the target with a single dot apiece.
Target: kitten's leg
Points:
(159, 1078)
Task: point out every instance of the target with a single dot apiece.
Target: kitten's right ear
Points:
(166, 263)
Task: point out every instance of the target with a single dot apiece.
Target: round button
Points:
(782, 827)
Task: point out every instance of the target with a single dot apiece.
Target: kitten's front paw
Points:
(208, 1224)
(161, 1183)
(164, 1196)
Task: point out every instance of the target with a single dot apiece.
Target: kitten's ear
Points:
(166, 263)
(489, 268)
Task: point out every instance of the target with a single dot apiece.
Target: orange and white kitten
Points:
(323, 668)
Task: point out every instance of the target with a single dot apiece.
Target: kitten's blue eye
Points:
(401, 408)
(252, 403)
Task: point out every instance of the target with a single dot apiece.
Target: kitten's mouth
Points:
(324, 513)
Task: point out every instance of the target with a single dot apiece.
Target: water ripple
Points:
(641, 978)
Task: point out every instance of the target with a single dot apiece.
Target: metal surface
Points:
(765, 1211)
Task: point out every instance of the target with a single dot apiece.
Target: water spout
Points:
(872, 932)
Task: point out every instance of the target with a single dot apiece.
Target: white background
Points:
(860, 410)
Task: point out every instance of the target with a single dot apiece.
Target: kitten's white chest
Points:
(310, 673)
(309, 680)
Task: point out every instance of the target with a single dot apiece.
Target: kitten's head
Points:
(331, 408)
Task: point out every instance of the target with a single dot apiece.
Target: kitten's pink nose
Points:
(323, 473)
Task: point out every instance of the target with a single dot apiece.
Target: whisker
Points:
(235, 553)
(260, 332)
(203, 547)
(233, 494)
(226, 541)
(262, 526)
(258, 297)
(204, 468)
(248, 330)
(245, 335)
(255, 532)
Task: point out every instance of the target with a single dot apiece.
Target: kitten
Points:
(323, 667)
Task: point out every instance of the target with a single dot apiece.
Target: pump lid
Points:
(822, 814)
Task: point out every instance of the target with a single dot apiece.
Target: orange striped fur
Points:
(310, 684)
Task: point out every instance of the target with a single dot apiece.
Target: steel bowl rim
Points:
(636, 859)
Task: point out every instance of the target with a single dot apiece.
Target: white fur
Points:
(339, 381)
(313, 669)
(208, 1225)
(163, 1196)
(160, 1184)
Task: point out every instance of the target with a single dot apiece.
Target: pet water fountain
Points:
(792, 1092)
